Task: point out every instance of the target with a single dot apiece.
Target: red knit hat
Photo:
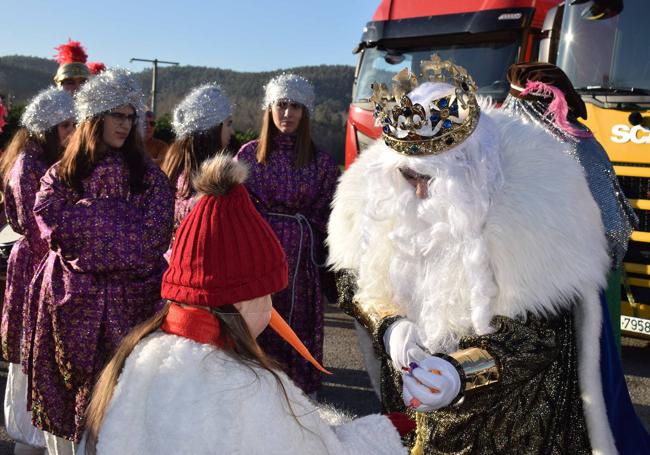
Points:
(224, 251)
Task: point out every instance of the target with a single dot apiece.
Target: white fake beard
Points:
(428, 256)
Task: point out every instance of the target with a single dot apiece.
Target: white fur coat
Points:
(176, 396)
(510, 228)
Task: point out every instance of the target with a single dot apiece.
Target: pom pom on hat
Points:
(218, 175)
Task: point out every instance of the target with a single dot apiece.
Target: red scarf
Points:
(194, 323)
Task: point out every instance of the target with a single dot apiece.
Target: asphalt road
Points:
(349, 387)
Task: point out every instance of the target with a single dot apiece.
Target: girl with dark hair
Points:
(105, 211)
(46, 126)
(202, 123)
(192, 379)
(292, 184)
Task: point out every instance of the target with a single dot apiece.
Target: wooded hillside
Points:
(22, 77)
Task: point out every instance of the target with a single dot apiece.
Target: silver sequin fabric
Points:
(47, 109)
(618, 216)
(203, 108)
(112, 88)
(289, 87)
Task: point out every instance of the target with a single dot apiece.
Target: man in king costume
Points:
(470, 247)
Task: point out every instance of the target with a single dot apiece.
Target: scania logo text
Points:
(637, 134)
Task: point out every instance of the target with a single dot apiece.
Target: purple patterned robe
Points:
(182, 206)
(279, 189)
(19, 195)
(101, 277)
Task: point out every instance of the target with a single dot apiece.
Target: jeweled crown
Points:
(413, 129)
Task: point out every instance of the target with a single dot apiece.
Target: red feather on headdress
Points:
(95, 67)
(70, 52)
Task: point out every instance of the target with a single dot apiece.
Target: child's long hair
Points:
(186, 155)
(84, 152)
(48, 141)
(242, 348)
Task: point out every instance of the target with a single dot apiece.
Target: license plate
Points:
(636, 325)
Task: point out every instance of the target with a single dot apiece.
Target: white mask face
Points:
(256, 313)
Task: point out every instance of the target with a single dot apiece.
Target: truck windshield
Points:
(609, 55)
(486, 62)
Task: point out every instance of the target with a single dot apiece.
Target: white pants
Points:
(58, 446)
(17, 419)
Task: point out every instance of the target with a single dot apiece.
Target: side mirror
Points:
(550, 35)
(600, 9)
(393, 57)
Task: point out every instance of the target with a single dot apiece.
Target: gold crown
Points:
(451, 118)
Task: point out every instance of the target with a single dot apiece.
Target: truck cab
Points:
(603, 47)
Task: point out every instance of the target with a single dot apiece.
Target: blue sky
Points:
(243, 35)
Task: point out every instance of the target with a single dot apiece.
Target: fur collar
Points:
(178, 396)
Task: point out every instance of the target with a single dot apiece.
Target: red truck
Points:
(484, 36)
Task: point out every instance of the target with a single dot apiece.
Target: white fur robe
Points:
(176, 396)
(510, 228)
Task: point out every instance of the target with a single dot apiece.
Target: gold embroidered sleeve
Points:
(375, 323)
(515, 351)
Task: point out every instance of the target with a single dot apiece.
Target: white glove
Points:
(403, 344)
(432, 385)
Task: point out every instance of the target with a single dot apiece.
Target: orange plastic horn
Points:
(281, 327)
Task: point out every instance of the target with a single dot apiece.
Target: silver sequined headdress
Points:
(49, 108)
(289, 87)
(205, 107)
(113, 88)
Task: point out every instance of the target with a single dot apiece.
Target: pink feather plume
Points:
(558, 109)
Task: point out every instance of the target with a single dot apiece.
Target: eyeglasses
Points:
(119, 117)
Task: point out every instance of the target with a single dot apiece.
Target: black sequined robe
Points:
(534, 409)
